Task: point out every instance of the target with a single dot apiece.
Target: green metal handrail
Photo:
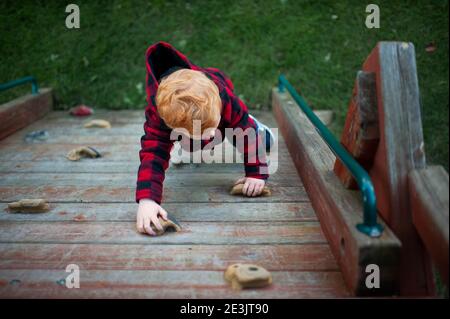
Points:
(14, 83)
(369, 226)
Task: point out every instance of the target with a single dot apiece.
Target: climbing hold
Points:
(29, 206)
(61, 282)
(237, 190)
(41, 135)
(81, 110)
(15, 282)
(247, 276)
(83, 151)
(98, 123)
(168, 225)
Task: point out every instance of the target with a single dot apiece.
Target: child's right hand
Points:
(147, 214)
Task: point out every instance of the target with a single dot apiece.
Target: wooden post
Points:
(400, 150)
(430, 205)
(360, 135)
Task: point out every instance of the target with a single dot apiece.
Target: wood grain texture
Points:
(124, 117)
(400, 150)
(360, 135)
(92, 216)
(119, 194)
(430, 208)
(150, 256)
(165, 284)
(212, 233)
(66, 129)
(129, 180)
(110, 151)
(338, 209)
(24, 110)
(208, 212)
(100, 165)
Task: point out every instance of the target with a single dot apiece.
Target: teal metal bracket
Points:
(369, 226)
(14, 83)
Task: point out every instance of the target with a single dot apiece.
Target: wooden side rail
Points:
(338, 209)
(429, 202)
(24, 110)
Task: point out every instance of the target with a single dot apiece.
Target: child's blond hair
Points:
(187, 95)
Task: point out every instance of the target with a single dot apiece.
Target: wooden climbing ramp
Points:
(363, 216)
(91, 222)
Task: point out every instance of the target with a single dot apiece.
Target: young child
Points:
(178, 93)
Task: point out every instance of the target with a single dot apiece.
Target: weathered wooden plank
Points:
(306, 257)
(100, 138)
(125, 117)
(24, 110)
(107, 166)
(199, 194)
(338, 209)
(208, 212)
(65, 129)
(209, 233)
(97, 232)
(59, 134)
(115, 117)
(361, 134)
(400, 150)
(430, 209)
(85, 136)
(133, 131)
(165, 284)
(129, 180)
(110, 150)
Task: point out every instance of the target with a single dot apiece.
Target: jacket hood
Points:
(160, 57)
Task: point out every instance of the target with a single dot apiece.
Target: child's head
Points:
(187, 95)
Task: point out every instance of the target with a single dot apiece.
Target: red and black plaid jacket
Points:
(156, 143)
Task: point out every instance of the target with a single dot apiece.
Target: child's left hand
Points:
(252, 186)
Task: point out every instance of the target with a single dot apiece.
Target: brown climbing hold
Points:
(29, 206)
(168, 225)
(83, 151)
(237, 190)
(98, 123)
(247, 276)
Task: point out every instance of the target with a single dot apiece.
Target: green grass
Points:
(102, 64)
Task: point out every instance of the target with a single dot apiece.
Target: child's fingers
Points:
(244, 189)
(147, 227)
(240, 181)
(257, 190)
(157, 224)
(250, 189)
(261, 189)
(163, 213)
(140, 225)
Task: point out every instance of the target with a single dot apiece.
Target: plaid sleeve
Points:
(254, 153)
(154, 155)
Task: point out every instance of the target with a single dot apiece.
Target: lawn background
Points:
(318, 45)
